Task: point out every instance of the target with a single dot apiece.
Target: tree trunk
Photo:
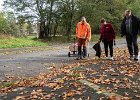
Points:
(69, 32)
(49, 19)
(70, 26)
(55, 29)
(42, 29)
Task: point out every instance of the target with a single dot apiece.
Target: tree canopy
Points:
(60, 16)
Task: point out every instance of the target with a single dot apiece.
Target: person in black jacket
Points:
(130, 27)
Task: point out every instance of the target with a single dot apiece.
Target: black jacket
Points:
(98, 50)
(135, 25)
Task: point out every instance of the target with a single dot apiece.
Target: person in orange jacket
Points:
(83, 35)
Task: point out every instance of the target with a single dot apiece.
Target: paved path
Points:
(32, 61)
(28, 62)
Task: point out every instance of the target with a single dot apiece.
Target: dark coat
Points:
(98, 50)
(135, 26)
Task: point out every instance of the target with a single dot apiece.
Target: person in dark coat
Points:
(107, 35)
(130, 27)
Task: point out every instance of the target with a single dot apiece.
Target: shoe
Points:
(78, 58)
(136, 58)
(106, 58)
(111, 58)
(84, 58)
(131, 57)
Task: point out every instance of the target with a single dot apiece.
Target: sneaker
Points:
(106, 58)
(111, 58)
(84, 58)
(136, 58)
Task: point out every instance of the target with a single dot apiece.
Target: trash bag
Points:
(98, 50)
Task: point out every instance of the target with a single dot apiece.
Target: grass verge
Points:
(13, 42)
(7, 41)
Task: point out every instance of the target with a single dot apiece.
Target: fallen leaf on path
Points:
(52, 85)
(114, 97)
(137, 96)
(20, 98)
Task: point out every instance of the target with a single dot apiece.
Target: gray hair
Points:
(128, 11)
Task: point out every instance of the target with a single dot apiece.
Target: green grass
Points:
(7, 41)
(20, 42)
(64, 39)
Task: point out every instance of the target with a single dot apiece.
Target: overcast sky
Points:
(1, 2)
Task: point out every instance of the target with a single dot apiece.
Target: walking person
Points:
(83, 35)
(130, 27)
(107, 36)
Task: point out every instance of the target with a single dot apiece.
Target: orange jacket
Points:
(83, 31)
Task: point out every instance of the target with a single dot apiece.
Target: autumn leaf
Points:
(71, 93)
(114, 97)
(137, 96)
(20, 98)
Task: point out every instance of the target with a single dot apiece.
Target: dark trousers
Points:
(82, 42)
(132, 44)
(110, 45)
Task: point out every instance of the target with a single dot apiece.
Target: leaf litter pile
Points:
(121, 77)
